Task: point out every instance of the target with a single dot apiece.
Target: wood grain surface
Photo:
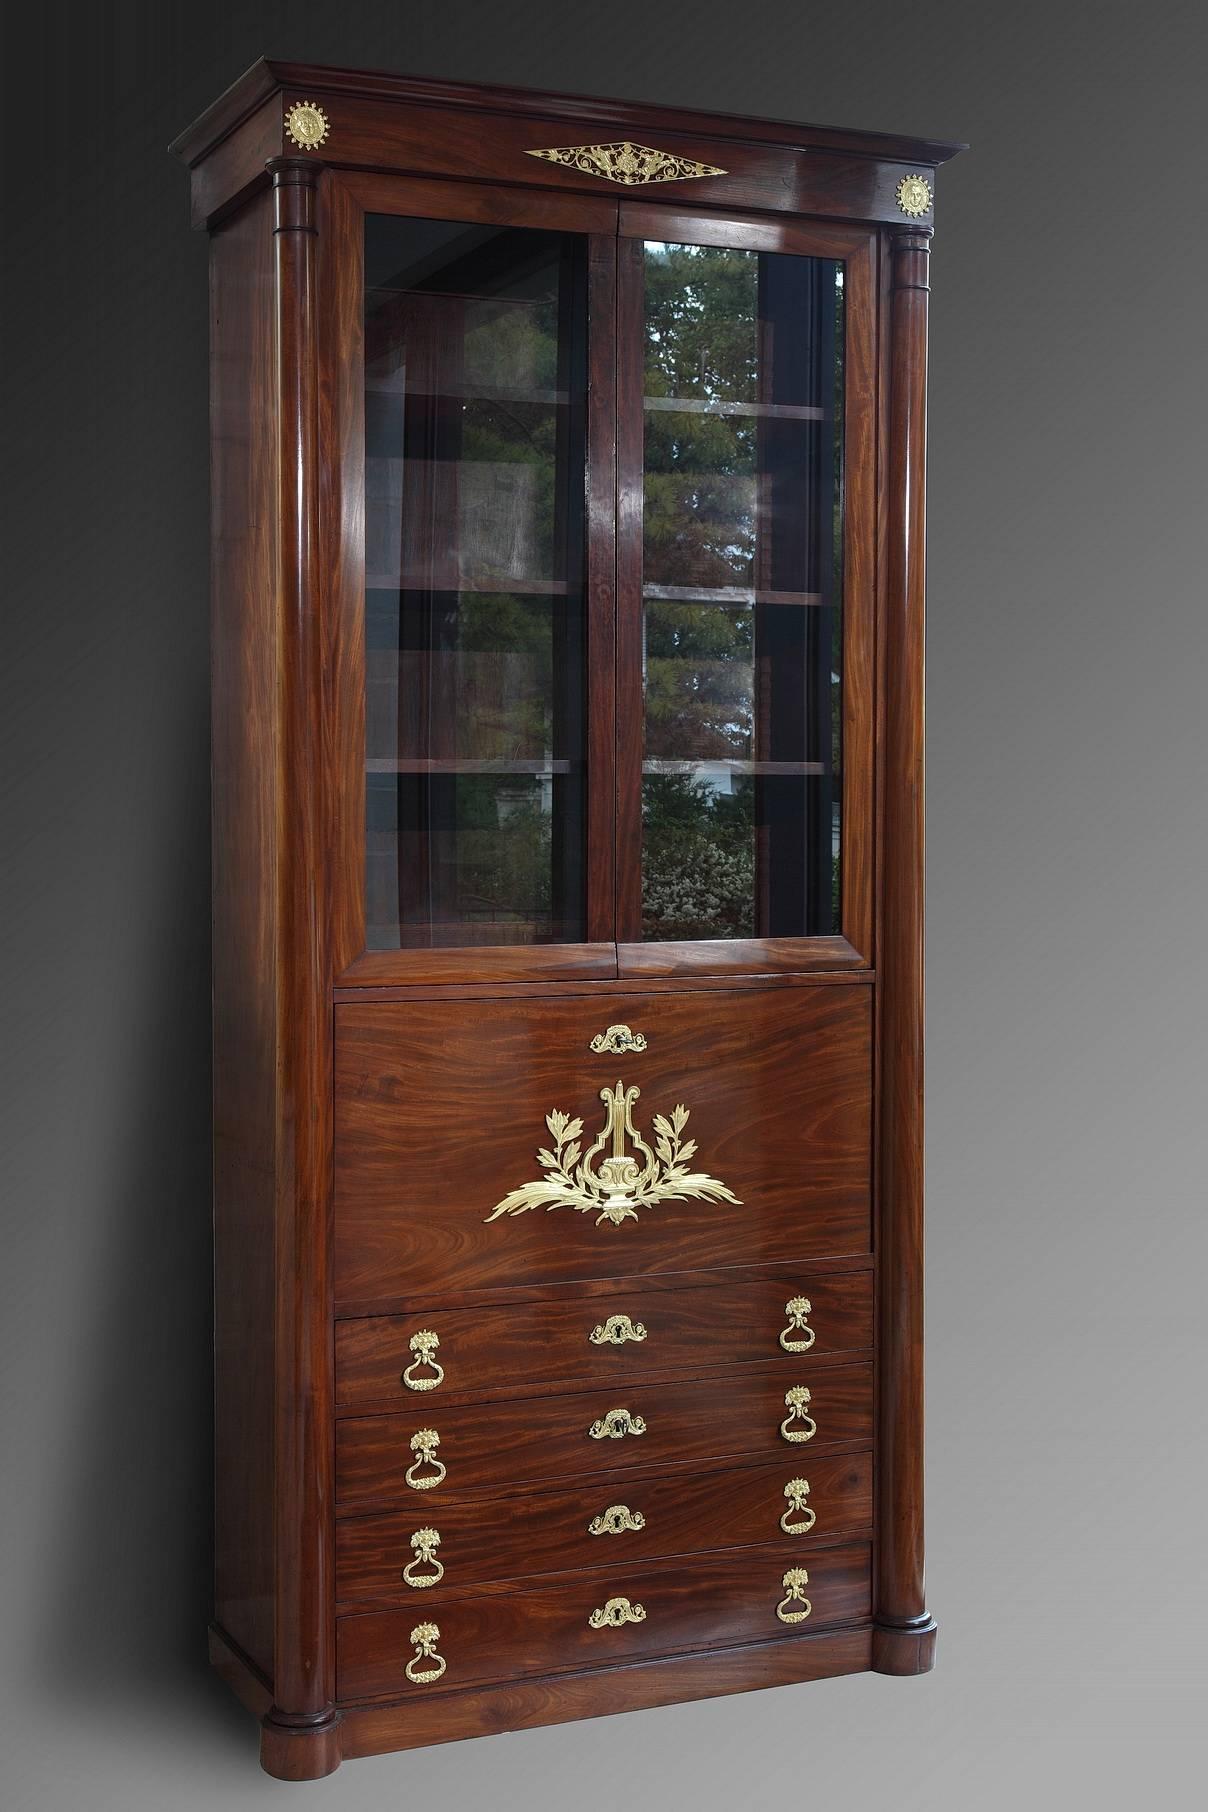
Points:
(548, 1438)
(301, 1457)
(504, 1635)
(530, 1533)
(245, 656)
(485, 1350)
(900, 1598)
(441, 1110)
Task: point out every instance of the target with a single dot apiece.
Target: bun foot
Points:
(908, 1650)
(291, 1750)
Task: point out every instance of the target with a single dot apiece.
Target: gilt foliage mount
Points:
(627, 163)
(613, 1188)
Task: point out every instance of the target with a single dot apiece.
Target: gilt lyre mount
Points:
(616, 1186)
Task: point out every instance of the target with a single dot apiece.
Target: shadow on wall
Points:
(129, 1564)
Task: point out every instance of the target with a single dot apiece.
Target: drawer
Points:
(793, 1503)
(621, 1615)
(739, 1134)
(638, 1336)
(491, 1448)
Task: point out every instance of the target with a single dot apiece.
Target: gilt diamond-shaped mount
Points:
(627, 163)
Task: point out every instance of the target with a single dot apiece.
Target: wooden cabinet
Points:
(568, 613)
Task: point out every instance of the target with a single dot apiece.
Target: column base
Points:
(904, 1648)
(299, 1751)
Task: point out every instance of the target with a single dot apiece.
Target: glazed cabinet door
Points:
(603, 638)
(744, 598)
(474, 721)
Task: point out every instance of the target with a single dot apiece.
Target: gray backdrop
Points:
(1069, 831)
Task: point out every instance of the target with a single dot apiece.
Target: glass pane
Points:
(742, 585)
(475, 381)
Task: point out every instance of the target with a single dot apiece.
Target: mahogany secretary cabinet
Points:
(568, 515)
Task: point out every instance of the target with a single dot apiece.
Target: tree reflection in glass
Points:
(741, 593)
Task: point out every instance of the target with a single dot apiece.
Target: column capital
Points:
(295, 185)
(910, 249)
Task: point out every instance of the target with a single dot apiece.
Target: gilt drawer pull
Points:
(795, 1401)
(793, 1582)
(796, 1491)
(425, 1637)
(797, 1309)
(616, 1612)
(425, 1543)
(424, 1443)
(616, 1425)
(423, 1344)
(615, 1520)
(616, 1331)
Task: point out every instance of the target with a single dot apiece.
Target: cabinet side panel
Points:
(246, 762)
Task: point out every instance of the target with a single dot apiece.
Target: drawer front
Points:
(488, 1144)
(640, 1336)
(758, 1411)
(795, 1503)
(612, 1616)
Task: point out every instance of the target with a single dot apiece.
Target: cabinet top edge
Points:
(268, 77)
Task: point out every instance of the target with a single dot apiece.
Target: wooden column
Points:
(299, 1733)
(904, 1633)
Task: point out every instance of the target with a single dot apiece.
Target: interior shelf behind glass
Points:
(741, 593)
(475, 756)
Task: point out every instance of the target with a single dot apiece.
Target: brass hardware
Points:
(615, 1520)
(793, 1582)
(616, 1612)
(616, 1425)
(425, 1543)
(624, 1184)
(796, 1492)
(306, 125)
(914, 196)
(424, 1443)
(423, 1344)
(618, 1039)
(627, 163)
(797, 1308)
(425, 1637)
(616, 1331)
(795, 1401)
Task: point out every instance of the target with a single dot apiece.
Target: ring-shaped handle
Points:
(423, 1344)
(796, 1492)
(425, 1543)
(797, 1425)
(424, 1443)
(425, 1636)
(794, 1583)
(787, 1616)
(797, 1308)
(806, 1432)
